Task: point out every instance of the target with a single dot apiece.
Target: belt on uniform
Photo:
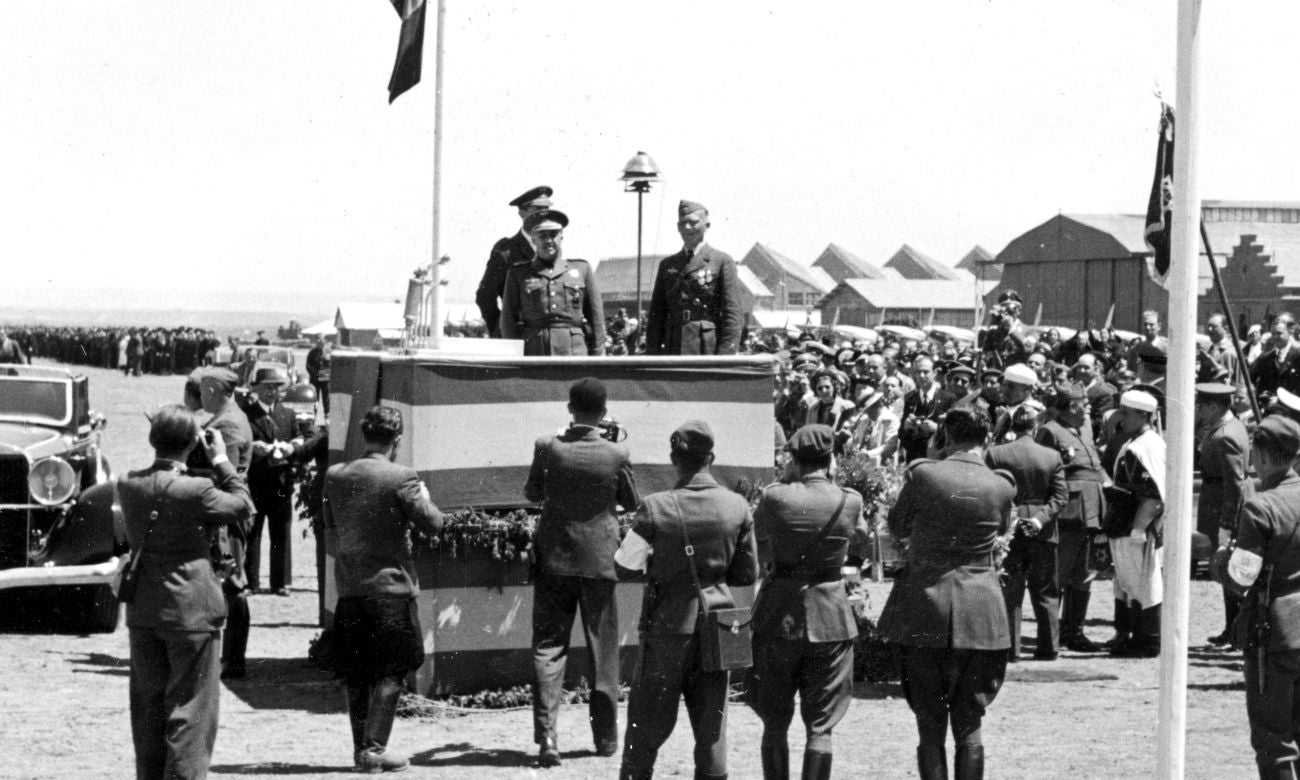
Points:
(1211, 480)
(955, 559)
(560, 323)
(828, 574)
(688, 315)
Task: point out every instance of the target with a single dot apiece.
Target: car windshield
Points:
(269, 354)
(42, 400)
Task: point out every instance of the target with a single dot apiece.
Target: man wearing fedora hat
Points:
(508, 251)
(551, 302)
(695, 308)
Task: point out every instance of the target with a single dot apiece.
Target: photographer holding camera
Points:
(1007, 340)
(580, 477)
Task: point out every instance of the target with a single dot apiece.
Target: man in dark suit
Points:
(318, 370)
(695, 308)
(1225, 481)
(371, 505)
(277, 450)
(922, 409)
(702, 526)
(807, 529)
(552, 302)
(580, 479)
(946, 612)
(1279, 365)
(1040, 493)
(176, 614)
(1071, 436)
(506, 252)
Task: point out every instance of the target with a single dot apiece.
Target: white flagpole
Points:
(435, 270)
(1171, 735)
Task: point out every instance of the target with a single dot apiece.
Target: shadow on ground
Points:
(266, 770)
(288, 684)
(466, 754)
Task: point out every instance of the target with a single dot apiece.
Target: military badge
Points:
(1070, 452)
(704, 276)
(574, 273)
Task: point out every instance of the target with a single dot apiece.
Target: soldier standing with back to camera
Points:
(807, 528)
(1225, 481)
(580, 479)
(695, 308)
(507, 252)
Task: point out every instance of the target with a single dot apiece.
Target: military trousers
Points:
(1275, 714)
(950, 687)
(821, 673)
(556, 601)
(555, 340)
(1072, 572)
(1032, 563)
(667, 671)
(174, 694)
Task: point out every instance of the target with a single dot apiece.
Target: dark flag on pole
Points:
(410, 47)
(1161, 203)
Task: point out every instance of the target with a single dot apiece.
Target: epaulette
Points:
(576, 260)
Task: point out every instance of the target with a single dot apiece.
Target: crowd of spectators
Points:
(134, 350)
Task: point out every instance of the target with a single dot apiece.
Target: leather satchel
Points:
(726, 634)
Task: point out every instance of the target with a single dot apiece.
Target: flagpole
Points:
(435, 259)
(1171, 733)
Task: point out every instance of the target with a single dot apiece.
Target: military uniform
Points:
(803, 625)
(946, 611)
(551, 306)
(579, 478)
(1225, 485)
(721, 533)
(695, 308)
(1040, 493)
(506, 253)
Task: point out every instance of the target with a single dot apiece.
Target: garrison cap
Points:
(1009, 295)
(537, 196)
(1020, 374)
(547, 219)
(693, 438)
(588, 394)
(811, 442)
(688, 207)
(1140, 400)
(270, 375)
(1281, 431)
(222, 378)
(1215, 391)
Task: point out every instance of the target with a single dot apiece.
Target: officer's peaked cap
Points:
(548, 219)
(537, 196)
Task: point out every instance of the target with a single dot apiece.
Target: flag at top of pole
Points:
(1161, 202)
(410, 47)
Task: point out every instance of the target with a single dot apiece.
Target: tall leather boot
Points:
(376, 757)
(969, 764)
(358, 708)
(1123, 628)
(932, 762)
(775, 754)
(1074, 613)
(1148, 631)
(816, 765)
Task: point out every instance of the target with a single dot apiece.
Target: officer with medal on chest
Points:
(505, 253)
(550, 302)
(695, 308)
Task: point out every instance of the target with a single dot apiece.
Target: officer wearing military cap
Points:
(1041, 493)
(1225, 483)
(946, 612)
(1069, 434)
(580, 479)
(1267, 562)
(506, 252)
(807, 528)
(720, 530)
(1007, 341)
(551, 302)
(695, 308)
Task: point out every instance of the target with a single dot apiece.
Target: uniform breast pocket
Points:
(573, 292)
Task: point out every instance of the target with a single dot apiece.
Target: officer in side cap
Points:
(551, 302)
(808, 529)
(702, 538)
(1267, 562)
(506, 252)
(695, 308)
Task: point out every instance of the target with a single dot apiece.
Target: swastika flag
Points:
(410, 47)
(1161, 202)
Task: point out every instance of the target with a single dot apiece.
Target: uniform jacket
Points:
(579, 478)
(238, 436)
(547, 307)
(370, 506)
(1270, 528)
(1041, 491)
(1268, 373)
(917, 409)
(1101, 399)
(721, 529)
(270, 480)
(178, 588)
(807, 600)
(949, 593)
(1225, 484)
(695, 308)
(1083, 471)
(506, 252)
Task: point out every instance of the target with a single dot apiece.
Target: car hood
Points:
(30, 440)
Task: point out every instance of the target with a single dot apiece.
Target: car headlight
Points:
(51, 481)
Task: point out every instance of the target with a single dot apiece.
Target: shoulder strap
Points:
(826, 529)
(120, 516)
(690, 551)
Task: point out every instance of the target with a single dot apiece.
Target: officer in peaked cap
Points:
(506, 252)
(551, 302)
(695, 308)
(1225, 482)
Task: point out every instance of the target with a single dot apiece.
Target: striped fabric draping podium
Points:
(470, 425)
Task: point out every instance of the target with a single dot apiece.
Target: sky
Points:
(186, 151)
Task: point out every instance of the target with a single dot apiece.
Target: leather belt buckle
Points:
(685, 315)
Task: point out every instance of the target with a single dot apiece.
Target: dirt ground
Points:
(64, 696)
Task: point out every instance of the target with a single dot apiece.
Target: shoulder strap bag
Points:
(726, 634)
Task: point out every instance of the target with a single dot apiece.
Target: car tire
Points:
(100, 609)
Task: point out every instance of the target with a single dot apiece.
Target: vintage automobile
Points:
(249, 357)
(49, 453)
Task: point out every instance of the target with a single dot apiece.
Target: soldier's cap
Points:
(811, 442)
(1281, 431)
(537, 196)
(1025, 414)
(960, 369)
(1288, 399)
(688, 207)
(1009, 295)
(845, 357)
(222, 378)
(805, 363)
(1214, 391)
(693, 438)
(588, 394)
(196, 376)
(1153, 358)
(270, 375)
(1140, 400)
(1075, 391)
(547, 219)
(988, 372)
(1020, 374)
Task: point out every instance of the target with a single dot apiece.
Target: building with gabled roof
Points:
(840, 264)
(616, 280)
(913, 302)
(793, 285)
(363, 325)
(913, 264)
(981, 263)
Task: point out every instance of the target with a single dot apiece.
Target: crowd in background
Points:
(134, 350)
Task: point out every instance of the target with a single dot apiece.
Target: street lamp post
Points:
(639, 173)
